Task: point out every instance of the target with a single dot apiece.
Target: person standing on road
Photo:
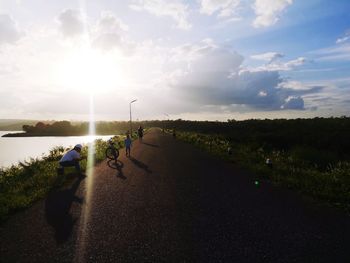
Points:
(127, 145)
(72, 158)
(140, 132)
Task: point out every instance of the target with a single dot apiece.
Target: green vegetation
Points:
(311, 156)
(23, 184)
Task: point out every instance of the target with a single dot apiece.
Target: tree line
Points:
(329, 134)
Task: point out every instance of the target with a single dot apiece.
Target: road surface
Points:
(170, 202)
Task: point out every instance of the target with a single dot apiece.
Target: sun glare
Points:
(90, 71)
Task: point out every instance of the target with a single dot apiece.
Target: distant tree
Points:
(40, 126)
(28, 128)
(62, 127)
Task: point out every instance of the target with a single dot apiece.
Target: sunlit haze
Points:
(201, 59)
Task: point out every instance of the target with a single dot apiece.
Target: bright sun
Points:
(90, 71)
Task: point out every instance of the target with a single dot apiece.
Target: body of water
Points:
(15, 149)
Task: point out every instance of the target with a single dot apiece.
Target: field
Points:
(311, 156)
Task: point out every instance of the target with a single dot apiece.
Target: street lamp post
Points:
(168, 120)
(130, 116)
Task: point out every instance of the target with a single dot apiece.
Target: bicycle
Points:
(112, 152)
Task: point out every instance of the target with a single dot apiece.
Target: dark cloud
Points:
(214, 77)
(293, 103)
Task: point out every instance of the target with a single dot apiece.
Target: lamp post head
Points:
(133, 101)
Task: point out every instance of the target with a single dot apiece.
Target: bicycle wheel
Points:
(112, 153)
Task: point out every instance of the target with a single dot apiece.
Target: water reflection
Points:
(15, 149)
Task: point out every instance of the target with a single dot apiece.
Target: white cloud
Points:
(225, 8)
(334, 96)
(262, 93)
(343, 39)
(276, 65)
(71, 22)
(269, 56)
(295, 85)
(109, 31)
(268, 11)
(295, 63)
(333, 53)
(109, 23)
(176, 9)
(9, 31)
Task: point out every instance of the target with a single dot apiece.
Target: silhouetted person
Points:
(72, 158)
(140, 133)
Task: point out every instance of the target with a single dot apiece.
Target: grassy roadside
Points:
(302, 168)
(23, 184)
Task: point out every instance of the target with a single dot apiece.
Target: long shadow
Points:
(57, 210)
(150, 144)
(140, 164)
(118, 166)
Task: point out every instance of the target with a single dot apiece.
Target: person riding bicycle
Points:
(72, 158)
(112, 149)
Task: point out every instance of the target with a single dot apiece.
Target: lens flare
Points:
(83, 233)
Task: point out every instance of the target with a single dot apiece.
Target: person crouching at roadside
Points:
(72, 158)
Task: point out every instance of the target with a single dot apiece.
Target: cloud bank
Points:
(208, 74)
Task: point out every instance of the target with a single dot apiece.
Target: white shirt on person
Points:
(70, 156)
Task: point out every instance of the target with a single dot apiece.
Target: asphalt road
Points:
(169, 202)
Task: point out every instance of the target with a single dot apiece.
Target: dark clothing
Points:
(140, 133)
(70, 164)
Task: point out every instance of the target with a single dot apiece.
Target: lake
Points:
(15, 149)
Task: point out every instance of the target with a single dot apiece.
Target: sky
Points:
(197, 60)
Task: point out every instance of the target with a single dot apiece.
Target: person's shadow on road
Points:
(118, 166)
(150, 144)
(140, 164)
(57, 210)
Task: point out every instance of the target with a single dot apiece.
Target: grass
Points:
(23, 184)
(313, 172)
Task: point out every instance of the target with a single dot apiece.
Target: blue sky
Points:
(203, 59)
